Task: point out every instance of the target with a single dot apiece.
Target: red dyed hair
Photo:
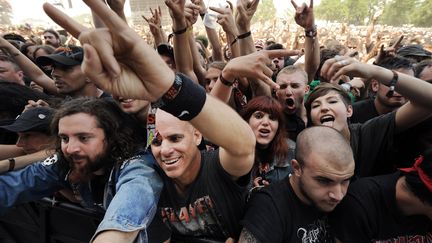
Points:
(278, 147)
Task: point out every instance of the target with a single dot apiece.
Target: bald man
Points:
(295, 209)
(202, 197)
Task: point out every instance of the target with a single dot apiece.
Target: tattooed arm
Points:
(247, 237)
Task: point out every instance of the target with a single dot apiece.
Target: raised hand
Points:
(154, 21)
(334, 68)
(176, 8)
(202, 6)
(116, 58)
(389, 51)
(191, 13)
(304, 15)
(245, 11)
(226, 19)
(256, 66)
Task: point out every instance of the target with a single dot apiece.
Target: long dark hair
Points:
(278, 147)
(121, 137)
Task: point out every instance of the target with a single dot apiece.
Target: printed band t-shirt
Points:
(275, 214)
(211, 207)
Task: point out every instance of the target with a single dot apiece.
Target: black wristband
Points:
(244, 35)
(179, 32)
(11, 164)
(224, 81)
(392, 84)
(234, 41)
(184, 99)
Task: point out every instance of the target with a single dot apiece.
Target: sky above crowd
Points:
(32, 9)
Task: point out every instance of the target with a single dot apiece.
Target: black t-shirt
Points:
(369, 213)
(363, 111)
(371, 142)
(275, 214)
(293, 125)
(211, 208)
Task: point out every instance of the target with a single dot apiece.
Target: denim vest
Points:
(130, 196)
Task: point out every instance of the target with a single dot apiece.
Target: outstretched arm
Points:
(253, 66)
(181, 29)
(24, 160)
(304, 17)
(123, 64)
(245, 11)
(415, 90)
(29, 68)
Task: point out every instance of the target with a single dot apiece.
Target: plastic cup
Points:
(211, 16)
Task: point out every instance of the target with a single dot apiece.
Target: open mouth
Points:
(170, 161)
(290, 103)
(122, 100)
(327, 120)
(264, 132)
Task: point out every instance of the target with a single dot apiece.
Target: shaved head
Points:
(326, 142)
(165, 117)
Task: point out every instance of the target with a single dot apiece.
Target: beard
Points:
(86, 172)
(305, 194)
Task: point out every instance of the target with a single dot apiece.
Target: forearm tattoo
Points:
(247, 237)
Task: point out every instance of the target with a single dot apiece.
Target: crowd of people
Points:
(246, 134)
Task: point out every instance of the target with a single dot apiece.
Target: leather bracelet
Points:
(179, 32)
(11, 164)
(234, 41)
(224, 81)
(244, 35)
(392, 84)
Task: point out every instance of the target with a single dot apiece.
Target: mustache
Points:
(85, 172)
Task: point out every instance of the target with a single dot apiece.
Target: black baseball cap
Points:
(36, 119)
(63, 56)
(413, 50)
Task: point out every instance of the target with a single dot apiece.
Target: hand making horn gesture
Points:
(304, 15)
(116, 58)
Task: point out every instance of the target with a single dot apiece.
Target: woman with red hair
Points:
(273, 151)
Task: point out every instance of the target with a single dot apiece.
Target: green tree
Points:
(347, 11)
(5, 12)
(397, 12)
(331, 10)
(422, 14)
(357, 11)
(266, 11)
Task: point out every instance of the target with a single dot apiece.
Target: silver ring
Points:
(338, 58)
